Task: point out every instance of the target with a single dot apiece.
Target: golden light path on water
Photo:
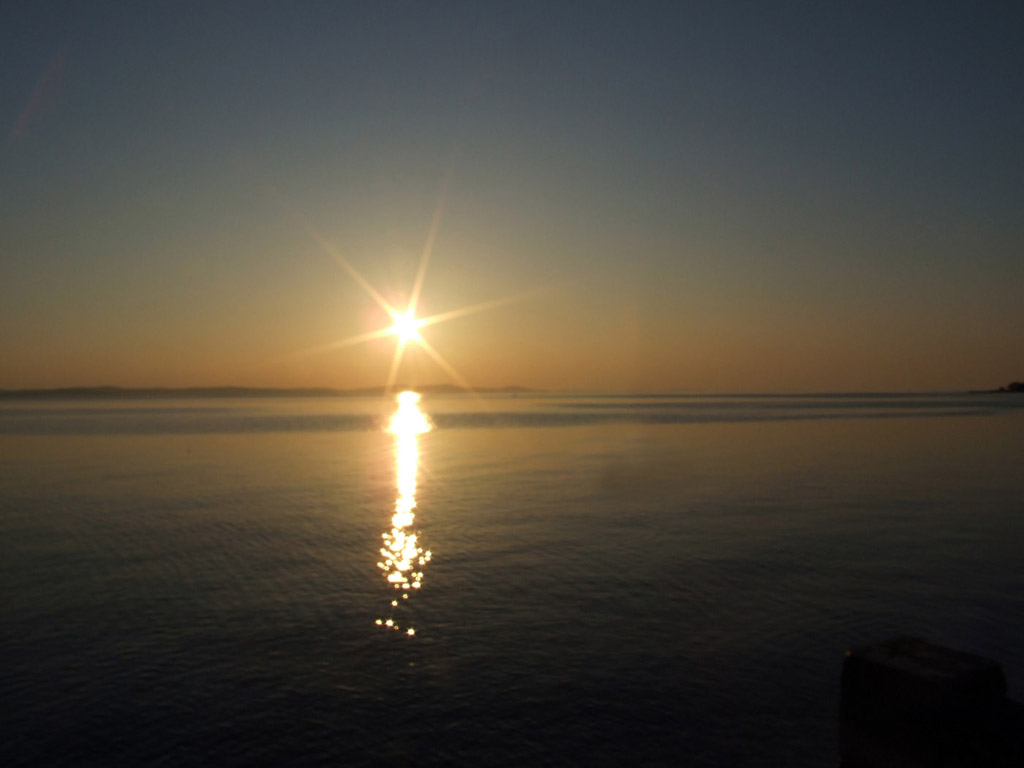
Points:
(402, 557)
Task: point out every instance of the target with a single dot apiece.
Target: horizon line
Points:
(111, 391)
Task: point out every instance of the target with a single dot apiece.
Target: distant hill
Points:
(1013, 386)
(149, 393)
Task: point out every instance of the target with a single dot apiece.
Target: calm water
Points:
(611, 581)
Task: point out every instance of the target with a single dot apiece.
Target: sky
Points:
(645, 197)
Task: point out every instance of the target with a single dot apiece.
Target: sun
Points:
(406, 327)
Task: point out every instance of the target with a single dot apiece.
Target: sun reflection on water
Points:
(402, 557)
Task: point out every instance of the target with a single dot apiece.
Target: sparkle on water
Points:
(402, 556)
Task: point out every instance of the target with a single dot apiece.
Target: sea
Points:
(488, 580)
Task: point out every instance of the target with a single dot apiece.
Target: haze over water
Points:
(613, 580)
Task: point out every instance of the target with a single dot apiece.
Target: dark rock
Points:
(912, 704)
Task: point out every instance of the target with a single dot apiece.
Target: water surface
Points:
(615, 580)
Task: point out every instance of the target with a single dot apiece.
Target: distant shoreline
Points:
(155, 393)
(1014, 387)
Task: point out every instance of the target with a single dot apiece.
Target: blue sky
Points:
(695, 196)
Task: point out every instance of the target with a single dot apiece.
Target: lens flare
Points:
(405, 325)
